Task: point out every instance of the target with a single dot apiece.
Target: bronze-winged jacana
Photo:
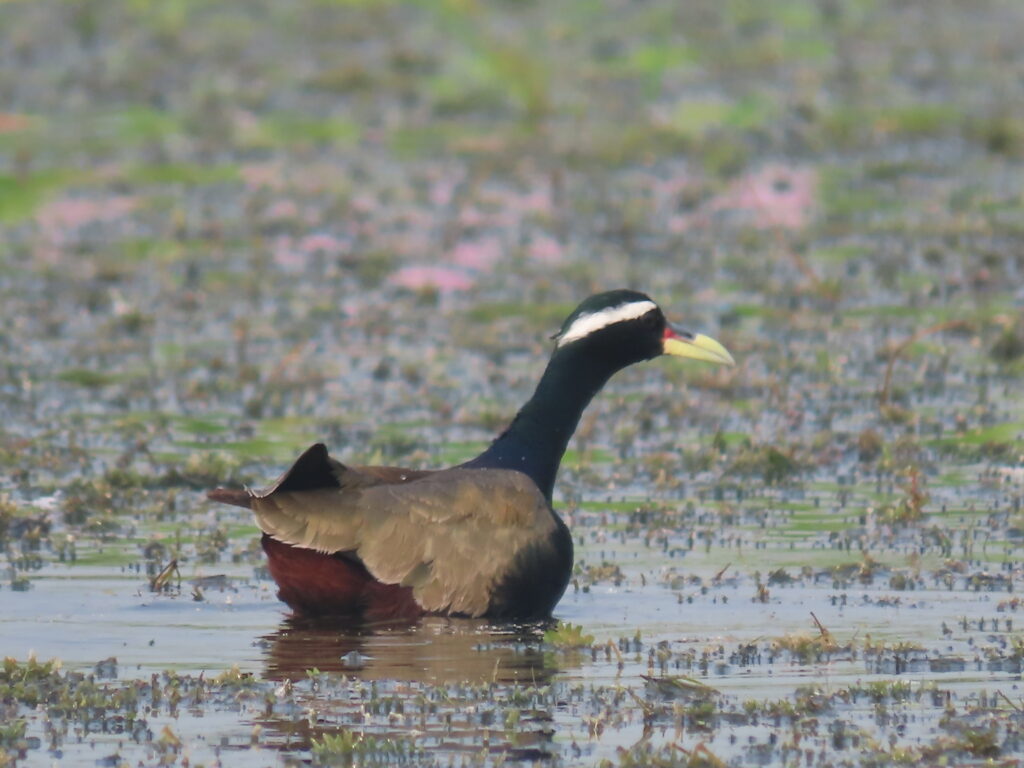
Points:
(479, 539)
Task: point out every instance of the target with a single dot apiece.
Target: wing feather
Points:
(450, 535)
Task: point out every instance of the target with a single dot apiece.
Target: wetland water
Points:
(680, 654)
(230, 230)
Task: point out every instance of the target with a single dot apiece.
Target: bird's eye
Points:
(650, 320)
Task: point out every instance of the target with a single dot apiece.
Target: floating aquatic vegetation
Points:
(565, 636)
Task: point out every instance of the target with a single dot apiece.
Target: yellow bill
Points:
(695, 346)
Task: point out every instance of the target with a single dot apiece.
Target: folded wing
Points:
(451, 535)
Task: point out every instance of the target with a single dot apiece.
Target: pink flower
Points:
(286, 256)
(536, 201)
(679, 223)
(59, 217)
(14, 123)
(471, 217)
(364, 204)
(324, 243)
(546, 249)
(423, 276)
(282, 210)
(776, 196)
(480, 254)
(256, 175)
(442, 192)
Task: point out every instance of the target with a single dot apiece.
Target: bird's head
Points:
(627, 327)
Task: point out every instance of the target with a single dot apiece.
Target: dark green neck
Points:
(536, 439)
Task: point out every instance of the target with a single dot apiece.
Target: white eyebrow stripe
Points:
(584, 325)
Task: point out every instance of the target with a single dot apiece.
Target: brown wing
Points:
(451, 535)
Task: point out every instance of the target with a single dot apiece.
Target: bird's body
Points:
(480, 539)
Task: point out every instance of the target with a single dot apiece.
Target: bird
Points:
(481, 539)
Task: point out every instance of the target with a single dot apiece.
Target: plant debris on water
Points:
(231, 230)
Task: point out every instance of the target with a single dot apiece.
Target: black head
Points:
(626, 327)
(622, 325)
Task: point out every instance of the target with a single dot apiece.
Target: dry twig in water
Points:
(896, 351)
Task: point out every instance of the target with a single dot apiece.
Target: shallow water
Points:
(449, 686)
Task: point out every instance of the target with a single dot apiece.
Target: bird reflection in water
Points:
(449, 687)
(435, 650)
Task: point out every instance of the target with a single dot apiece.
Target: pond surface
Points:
(676, 652)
